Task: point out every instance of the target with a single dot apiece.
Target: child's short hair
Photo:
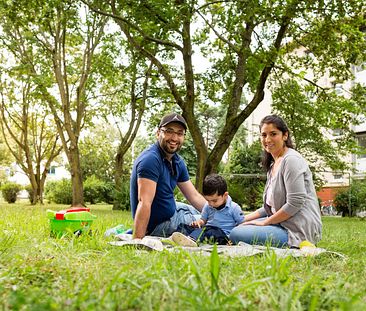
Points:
(214, 183)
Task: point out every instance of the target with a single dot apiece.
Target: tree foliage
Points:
(10, 191)
(244, 158)
(321, 123)
(97, 151)
(244, 173)
(211, 60)
(243, 43)
(53, 43)
(28, 132)
(351, 200)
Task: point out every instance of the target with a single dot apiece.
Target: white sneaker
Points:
(183, 240)
(168, 241)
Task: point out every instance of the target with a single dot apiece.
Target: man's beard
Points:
(165, 146)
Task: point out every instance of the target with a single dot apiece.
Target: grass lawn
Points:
(38, 272)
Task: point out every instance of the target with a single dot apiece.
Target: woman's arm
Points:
(276, 218)
(252, 216)
(293, 194)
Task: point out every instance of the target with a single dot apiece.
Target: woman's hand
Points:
(276, 218)
(255, 223)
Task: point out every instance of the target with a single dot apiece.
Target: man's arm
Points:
(192, 195)
(146, 193)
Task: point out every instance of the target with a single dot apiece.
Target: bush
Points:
(109, 191)
(342, 202)
(122, 196)
(10, 191)
(59, 192)
(246, 191)
(351, 200)
(94, 189)
(30, 193)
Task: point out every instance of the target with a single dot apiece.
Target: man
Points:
(155, 174)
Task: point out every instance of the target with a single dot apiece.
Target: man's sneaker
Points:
(183, 240)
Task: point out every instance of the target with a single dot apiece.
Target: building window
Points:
(338, 88)
(52, 170)
(337, 176)
(361, 139)
(337, 132)
(359, 68)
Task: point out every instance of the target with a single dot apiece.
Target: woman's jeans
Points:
(273, 235)
(185, 214)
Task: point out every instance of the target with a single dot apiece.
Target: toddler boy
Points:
(219, 216)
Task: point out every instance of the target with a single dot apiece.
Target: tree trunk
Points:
(34, 199)
(76, 177)
(118, 176)
(201, 165)
(38, 181)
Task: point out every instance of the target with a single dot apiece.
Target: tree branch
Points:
(132, 25)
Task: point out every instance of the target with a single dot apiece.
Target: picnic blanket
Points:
(152, 243)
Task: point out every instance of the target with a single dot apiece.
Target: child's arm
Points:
(198, 223)
(202, 221)
(238, 214)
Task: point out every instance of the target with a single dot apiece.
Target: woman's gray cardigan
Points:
(294, 192)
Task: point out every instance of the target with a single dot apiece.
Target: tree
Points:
(243, 41)
(28, 133)
(125, 85)
(97, 150)
(351, 200)
(244, 171)
(137, 100)
(245, 159)
(54, 44)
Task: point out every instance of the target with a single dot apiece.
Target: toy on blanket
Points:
(306, 243)
(115, 230)
(73, 220)
(309, 249)
(119, 229)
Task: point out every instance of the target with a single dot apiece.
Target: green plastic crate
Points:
(70, 221)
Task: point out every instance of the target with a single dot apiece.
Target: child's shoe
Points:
(183, 240)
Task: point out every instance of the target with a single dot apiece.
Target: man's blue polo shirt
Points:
(153, 165)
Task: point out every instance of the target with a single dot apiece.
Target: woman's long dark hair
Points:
(281, 125)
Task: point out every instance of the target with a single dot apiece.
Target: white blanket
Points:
(153, 243)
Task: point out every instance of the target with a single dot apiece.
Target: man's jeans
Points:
(185, 214)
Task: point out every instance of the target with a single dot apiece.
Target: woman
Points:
(290, 213)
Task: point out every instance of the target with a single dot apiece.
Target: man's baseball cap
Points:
(173, 117)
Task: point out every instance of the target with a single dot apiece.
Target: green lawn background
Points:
(39, 272)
